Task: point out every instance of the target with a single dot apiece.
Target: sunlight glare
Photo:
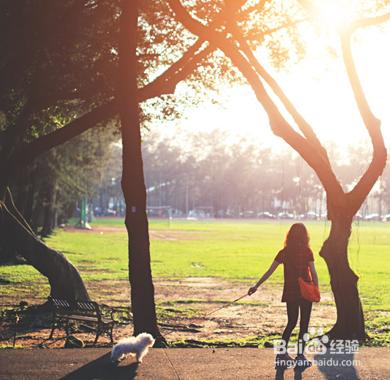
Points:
(333, 15)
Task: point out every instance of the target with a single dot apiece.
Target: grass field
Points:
(237, 251)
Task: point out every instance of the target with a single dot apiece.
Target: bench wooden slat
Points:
(89, 319)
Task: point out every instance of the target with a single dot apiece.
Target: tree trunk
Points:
(64, 279)
(29, 206)
(343, 280)
(17, 236)
(133, 183)
(49, 209)
(350, 322)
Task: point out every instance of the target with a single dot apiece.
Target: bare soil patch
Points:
(187, 311)
(262, 314)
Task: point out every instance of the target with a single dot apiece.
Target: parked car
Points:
(386, 218)
(265, 215)
(285, 215)
(110, 212)
(311, 215)
(249, 214)
(372, 217)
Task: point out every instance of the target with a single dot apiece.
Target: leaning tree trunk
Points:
(16, 236)
(133, 183)
(343, 281)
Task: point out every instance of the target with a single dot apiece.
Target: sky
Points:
(317, 85)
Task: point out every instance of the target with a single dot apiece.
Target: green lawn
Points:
(236, 250)
(230, 249)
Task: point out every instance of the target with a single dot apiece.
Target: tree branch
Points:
(302, 124)
(369, 21)
(164, 84)
(278, 124)
(373, 125)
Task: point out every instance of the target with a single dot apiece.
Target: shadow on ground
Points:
(330, 366)
(103, 369)
(337, 366)
(298, 373)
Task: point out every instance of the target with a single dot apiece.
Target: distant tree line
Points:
(213, 178)
(207, 178)
(49, 191)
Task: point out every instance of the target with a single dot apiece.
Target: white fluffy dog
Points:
(136, 345)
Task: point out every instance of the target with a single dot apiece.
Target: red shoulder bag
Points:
(309, 291)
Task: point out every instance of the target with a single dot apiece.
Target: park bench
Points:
(98, 318)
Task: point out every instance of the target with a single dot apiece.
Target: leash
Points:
(170, 362)
(214, 311)
(228, 304)
(204, 315)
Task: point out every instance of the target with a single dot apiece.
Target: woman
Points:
(297, 258)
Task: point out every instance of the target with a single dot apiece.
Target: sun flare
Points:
(333, 14)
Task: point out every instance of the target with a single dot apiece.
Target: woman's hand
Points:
(252, 290)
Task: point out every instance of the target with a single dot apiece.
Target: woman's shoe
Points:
(284, 361)
(302, 361)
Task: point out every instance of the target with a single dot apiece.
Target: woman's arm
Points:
(264, 277)
(313, 273)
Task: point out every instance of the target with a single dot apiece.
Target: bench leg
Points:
(98, 332)
(97, 336)
(54, 326)
(52, 332)
(14, 339)
(67, 328)
(15, 328)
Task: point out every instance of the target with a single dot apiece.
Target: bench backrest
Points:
(60, 304)
(87, 308)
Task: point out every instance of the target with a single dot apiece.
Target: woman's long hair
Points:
(297, 238)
